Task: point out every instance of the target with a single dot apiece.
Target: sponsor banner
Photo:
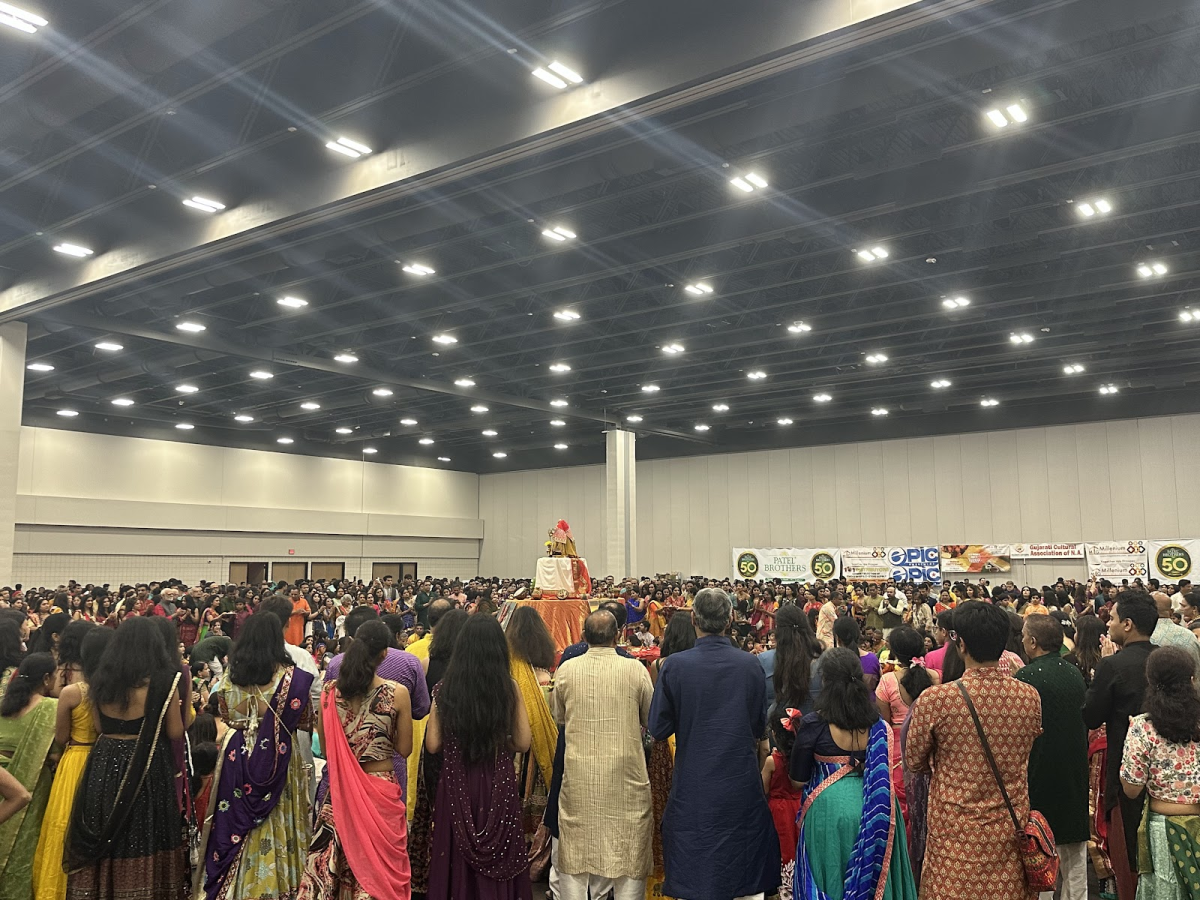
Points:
(1047, 551)
(1172, 560)
(1117, 559)
(962, 559)
(914, 564)
(787, 564)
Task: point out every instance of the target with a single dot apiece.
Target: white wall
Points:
(111, 508)
(1099, 481)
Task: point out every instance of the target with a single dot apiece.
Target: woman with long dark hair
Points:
(27, 714)
(257, 826)
(441, 645)
(45, 639)
(679, 636)
(1162, 758)
(531, 653)
(11, 653)
(796, 652)
(170, 635)
(478, 721)
(849, 818)
(70, 651)
(898, 690)
(359, 846)
(846, 634)
(126, 835)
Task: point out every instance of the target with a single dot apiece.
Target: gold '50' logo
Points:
(747, 565)
(1173, 561)
(822, 565)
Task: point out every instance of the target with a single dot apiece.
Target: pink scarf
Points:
(369, 815)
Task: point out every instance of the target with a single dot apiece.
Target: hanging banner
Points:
(962, 559)
(914, 564)
(1117, 559)
(786, 565)
(1172, 560)
(1047, 551)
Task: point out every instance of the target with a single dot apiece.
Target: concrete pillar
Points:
(620, 508)
(12, 392)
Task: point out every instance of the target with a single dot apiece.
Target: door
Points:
(382, 570)
(408, 571)
(291, 572)
(330, 571)
(247, 572)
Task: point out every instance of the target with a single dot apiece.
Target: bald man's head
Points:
(600, 629)
(1163, 603)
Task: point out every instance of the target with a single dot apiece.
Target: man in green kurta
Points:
(1058, 765)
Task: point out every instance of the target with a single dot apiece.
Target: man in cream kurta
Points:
(602, 702)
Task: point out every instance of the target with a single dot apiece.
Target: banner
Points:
(914, 564)
(976, 558)
(1172, 560)
(1047, 551)
(786, 565)
(1117, 559)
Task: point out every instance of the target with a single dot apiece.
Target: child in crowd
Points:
(642, 635)
(782, 799)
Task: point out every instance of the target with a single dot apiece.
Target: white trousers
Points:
(594, 887)
(1072, 873)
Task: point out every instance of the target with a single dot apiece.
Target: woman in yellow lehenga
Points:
(75, 728)
(531, 657)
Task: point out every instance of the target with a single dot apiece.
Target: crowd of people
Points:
(707, 740)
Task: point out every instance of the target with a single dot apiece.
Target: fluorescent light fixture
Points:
(700, 427)
(40, 367)
(784, 421)
(560, 446)
(633, 419)
(557, 423)
(876, 359)
(1109, 389)
(558, 233)
(699, 289)
(73, 250)
(347, 147)
(956, 302)
(756, 375)
(567, 315)
(672, 349)
(822, 398)
(560, 367)
(874, 254)
(284, 441)
(345, 358)
(500, 454)
(879, 411)
(370, 451)
(1103, 207)
(1017, 113)
(757, 180)
(548, 77)
(261, 375)
(650, 389)
(418, 269)
(204, 204)
(122, 401)
(310, 405)
(1159, 268)
(1189, 315)
(742, 184)
(243, 418)
(187, 388)
(989, 401)
(292, 302)
(1086, 210)
(720, 407)
(382, 392)
(408, 422)
(480, 408)
(1012, 114)
(559, 403)
(940, 383)
(1072, 369)
(464, 382)
(343, 430)
(445, 339)
(426, 441)
(1145, 271)
(185, 426)
(110, 346)
(443, 459)
(67, 413)
(563, 72)
(997, 118)
(190, 327)
(20, 19)
(799, 328)
(489, 432)
(1021, 338)
(1150, 269)
(749, 182)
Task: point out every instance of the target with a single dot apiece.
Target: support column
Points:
(12, 391)
(620, 508)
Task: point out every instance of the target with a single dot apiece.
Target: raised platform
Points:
(564, 618)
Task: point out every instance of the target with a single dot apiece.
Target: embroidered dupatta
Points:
(18, 839)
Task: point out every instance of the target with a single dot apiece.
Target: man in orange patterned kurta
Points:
(972, 848)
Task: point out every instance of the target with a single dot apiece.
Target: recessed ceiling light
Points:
(345, 358)
(408, 422)
(720, 407)
(1072, 369)
(190, 327)
(73, 250)
(68, 413)
(989, 401)
(557, 423)
(560, 367)
(940, 383)
(204, 204)
(500, 454)
(756, 375)
(549, 77)
(443, 459)
(784, 421)
(650, 389)
(1020, 338)
(292, 302)
(187, 388)
(310, 405)
(1150, 269)
(1089, 209)
(956, 302)
(822, 398)
(876, 359)
(370, 451)
(445, 339)
(40, 367)
(464, 382)
(185, 426)
(243, 418)
(672, 349)
(799, 328)
(426, 441)
(284, 441)
(1012, 114)
(347, 147)
(21, 20)
(748, 182)
(559, 233)
(122, 401)
(567, 315)
(701, 427)
(873, 254)
(1189, 315)
(382, 392)
(489, 432)
(560, 446)
(479, 408)
(879, 411)
(558, 76)
(262, 375)
(418, 269)
(344, 430)
(1109, 389)
(110, 346)
(559, 403)
(699, 289)
(633, 419)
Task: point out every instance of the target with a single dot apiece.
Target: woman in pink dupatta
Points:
(359, 848)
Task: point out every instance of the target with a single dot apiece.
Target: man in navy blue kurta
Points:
(719, 840)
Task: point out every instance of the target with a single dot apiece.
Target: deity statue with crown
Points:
(563, 573)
